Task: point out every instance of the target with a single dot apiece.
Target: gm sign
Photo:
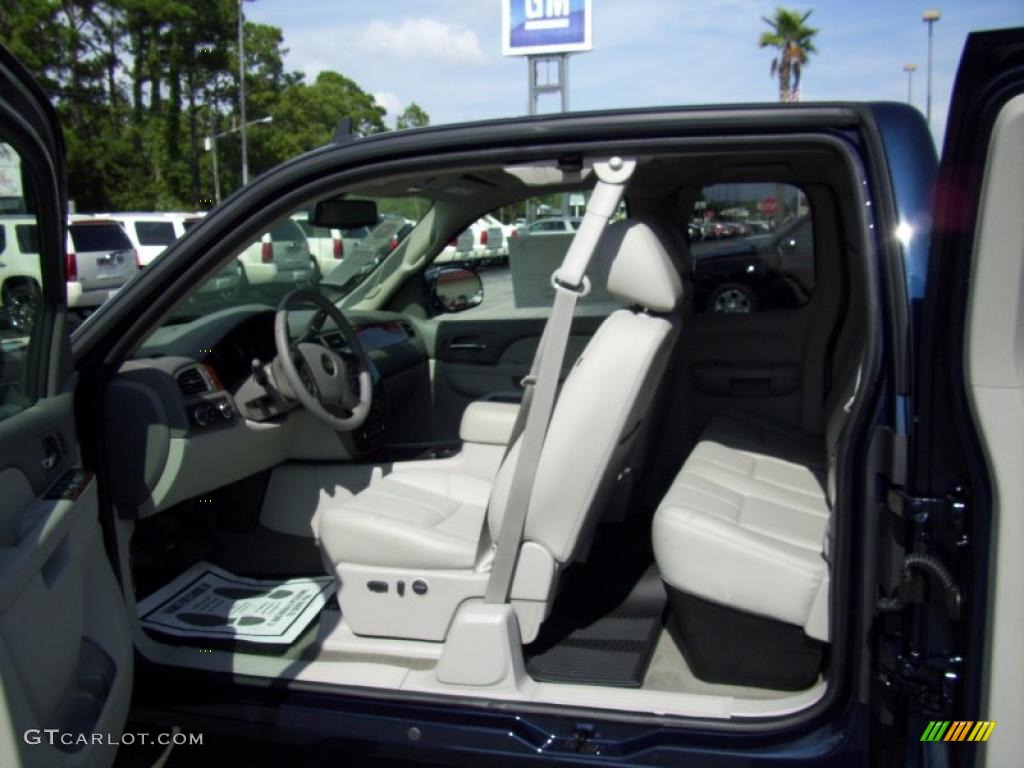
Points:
(545, 26)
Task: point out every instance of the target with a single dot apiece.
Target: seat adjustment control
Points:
(380, 587)
(419, 587)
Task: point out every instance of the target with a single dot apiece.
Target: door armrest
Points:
(488, 422)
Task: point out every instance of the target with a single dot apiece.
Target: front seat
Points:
(413, 546)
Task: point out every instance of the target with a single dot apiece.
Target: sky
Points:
(446, 54)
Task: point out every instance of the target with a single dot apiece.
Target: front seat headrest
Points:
(631, 262)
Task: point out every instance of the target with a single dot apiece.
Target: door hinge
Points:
(942, 517)
(930, 682)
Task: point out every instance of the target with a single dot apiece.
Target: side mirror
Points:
(344, 214)
(456, 289)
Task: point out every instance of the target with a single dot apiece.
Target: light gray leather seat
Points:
(743, 540)
(431, 527)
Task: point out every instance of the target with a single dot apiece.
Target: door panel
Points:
(65, 641)
(487, 357)
(755, 363)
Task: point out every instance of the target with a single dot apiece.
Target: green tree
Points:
(306, 116)
(412, 116)
(793, 41)
(140, 84)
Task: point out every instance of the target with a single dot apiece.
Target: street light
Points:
(910, 69)
(929, 17)
(210, 145)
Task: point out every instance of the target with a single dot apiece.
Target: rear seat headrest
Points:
(634, 266)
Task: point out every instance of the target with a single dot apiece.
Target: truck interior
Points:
(689, 530)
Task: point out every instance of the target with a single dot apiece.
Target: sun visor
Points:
(548, 174)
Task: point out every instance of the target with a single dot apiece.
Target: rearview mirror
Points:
(344, 214)
(457, 289)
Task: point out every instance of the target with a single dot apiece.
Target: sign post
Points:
(546, 32)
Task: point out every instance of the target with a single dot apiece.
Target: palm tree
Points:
(793, 39)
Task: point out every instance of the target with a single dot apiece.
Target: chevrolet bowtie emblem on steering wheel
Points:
(329, 368)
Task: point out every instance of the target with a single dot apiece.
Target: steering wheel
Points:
(318, 377)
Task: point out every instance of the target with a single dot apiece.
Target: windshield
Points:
(288, 255)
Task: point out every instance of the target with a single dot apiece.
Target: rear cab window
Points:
(88, 237)
(752, 248)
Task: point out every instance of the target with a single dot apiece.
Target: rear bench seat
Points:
(742, 540)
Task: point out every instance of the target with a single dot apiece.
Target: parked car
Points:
(758, 272)
(341, 517)
(99, 260)
(482, 243)
(325, 245)
(549, 225)
(149, 233)
(382, 240)
(231, 283)
(280, 257)
(19, 273)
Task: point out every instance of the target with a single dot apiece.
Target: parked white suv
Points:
(482, 242)
(326, 246)
(150, 233)
(281, 255)
(100, 259)
(19, 271)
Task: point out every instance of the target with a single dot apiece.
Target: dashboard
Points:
(388, 343)
(192, 411)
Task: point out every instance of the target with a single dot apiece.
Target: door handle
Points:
(467, 346)
(50, 461)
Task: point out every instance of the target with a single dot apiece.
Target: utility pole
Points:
(910, 69)
(241, 93)
(929, 17)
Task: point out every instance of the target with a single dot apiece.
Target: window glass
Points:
(282, 258)
(154, 232)
(28, 237)
(310, 230)
(515, 249)
(287, 230)
(88, 237)
(752, 248)
(21, 299)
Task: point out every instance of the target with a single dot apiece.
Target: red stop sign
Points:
(769, 206)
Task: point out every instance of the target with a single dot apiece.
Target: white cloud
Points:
(391, 103)
(421, 40)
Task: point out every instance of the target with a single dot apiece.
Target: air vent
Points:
(192, 381)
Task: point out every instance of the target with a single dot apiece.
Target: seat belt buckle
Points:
(580, 290)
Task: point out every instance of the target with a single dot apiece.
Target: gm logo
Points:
(958, 730)
(546, 14)
(545, 26)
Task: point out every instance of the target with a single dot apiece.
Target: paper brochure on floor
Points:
(209, 602)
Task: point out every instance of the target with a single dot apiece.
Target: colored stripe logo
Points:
(958, 730)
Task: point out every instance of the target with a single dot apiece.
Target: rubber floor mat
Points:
(613, 648)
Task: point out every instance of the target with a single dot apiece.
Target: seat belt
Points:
(541, 385)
